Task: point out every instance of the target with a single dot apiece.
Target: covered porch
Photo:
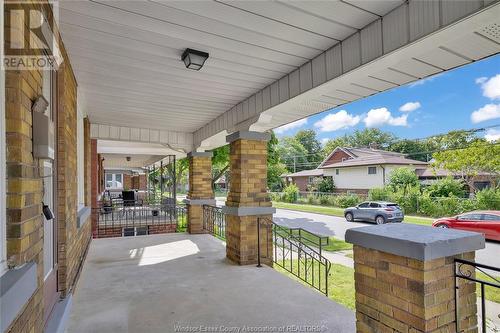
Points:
(182, 282)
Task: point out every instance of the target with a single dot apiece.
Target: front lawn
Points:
(335, 211)
(312, 240)
(340, 283)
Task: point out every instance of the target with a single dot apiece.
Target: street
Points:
(336, 226)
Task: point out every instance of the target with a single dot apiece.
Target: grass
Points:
(340, 283)
(335, 211)
(312, 240)
(492, 293)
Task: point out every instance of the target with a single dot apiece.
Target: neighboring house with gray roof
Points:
(356, 170)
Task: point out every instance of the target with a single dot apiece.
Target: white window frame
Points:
(3, 189)
(113, 181)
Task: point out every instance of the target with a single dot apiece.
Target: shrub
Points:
(291, 193)
(447, 187)
(326, 185)
(403, 178)
(488, 199)
(274, 196)
(378, 194)
(348, 200)
(324, 199)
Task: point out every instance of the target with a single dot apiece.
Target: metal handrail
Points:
(214, 221)
(311, 266)
(465, 269)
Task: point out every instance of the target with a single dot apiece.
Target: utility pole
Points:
(294, 164)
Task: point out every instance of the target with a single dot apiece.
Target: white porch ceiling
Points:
(119, 161)
(126, 54)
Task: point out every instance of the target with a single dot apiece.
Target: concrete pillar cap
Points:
(415, 241)
(248, 135)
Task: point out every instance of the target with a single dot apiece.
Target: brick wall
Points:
(24, 183)
(72, 241)
(337, 157)
(248, 188)
(399, 294)
(200, 187)
(94, 188)
(127, 181)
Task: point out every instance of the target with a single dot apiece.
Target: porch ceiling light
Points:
(194, 59)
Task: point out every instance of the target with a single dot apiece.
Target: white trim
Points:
(3, 189)
(80, 156)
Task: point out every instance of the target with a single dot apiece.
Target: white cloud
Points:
(410, 106)
(492, 135)
(290, 126)
(324, 141)
(382, 116)
(487, 112)
(336, 121)
(490, 87)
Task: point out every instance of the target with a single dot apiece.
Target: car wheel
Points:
(443, 226)
(349, 217)
(380, 219)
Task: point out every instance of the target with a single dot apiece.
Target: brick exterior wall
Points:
(399, 294)
(301, 182)
(94, 188)
(24, 184)
(337, 157)
(127, 181)
(200, 187)
(248, 188)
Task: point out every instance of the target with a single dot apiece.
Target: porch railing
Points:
(484, 276)
(291, 253)
(214, 221)
(131, 218)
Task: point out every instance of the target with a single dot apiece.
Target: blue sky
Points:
(464, 98)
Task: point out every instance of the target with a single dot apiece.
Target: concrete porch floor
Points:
(154, 283)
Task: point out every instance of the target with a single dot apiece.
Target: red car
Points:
(486, 222)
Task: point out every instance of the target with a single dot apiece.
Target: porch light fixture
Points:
(194, 59)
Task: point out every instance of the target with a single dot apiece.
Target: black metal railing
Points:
(214, 221)
(290, 252)
(135, 217)
(483, 275)
(309, 238)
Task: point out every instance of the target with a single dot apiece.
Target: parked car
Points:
(379, 212)
(486, 222)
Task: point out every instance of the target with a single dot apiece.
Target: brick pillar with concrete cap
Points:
(404, 277)
(248, 199)
(200, 189)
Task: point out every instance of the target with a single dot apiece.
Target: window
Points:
(472, 217)
(114, 180)
(372, 170)
(491, 217)
(374, 205)
(310, 180)
(364, 205)
(337, 171)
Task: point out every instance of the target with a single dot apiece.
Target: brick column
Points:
(248, 199)
(405, 278)
(200, 189)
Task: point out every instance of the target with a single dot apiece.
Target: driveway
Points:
(336, 226)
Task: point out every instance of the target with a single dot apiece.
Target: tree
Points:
(453, 139)
(326, 185)
(293, 154)
(420, 150)
(371, 137)
(402, 179)
(274, 166)
(446, 187)
(220, 163)
(330, 145)
(313, 147)
(478, 157)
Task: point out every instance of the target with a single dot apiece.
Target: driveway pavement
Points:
(336, 226)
